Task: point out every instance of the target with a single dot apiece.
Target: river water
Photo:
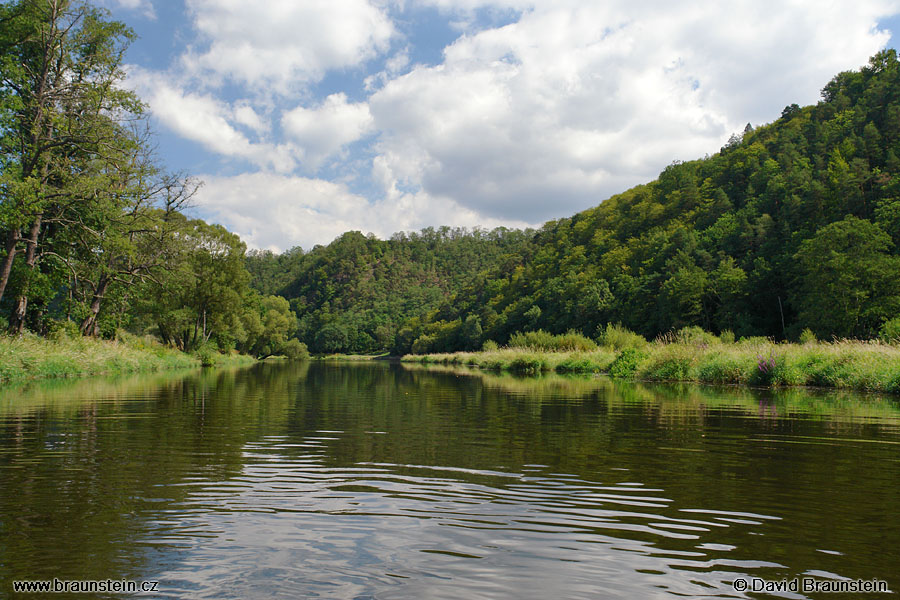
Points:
(379, 480)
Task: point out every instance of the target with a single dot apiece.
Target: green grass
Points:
(31, 357)
(351, 357)
(848, 364)
(520, 360)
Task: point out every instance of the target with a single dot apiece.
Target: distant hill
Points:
(792, 225)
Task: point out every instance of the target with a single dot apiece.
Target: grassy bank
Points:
(31, 357)
(351, 357)
(871, 366)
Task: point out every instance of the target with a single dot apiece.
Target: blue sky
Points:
(308, 118)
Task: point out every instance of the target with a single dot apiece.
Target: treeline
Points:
(792, 225)
(359, 293)
(95, 237)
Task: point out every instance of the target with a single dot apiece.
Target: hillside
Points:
(355, 294)
(794, 225)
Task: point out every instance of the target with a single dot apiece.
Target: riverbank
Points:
(869, 366)
(31, 357)
(352, 357)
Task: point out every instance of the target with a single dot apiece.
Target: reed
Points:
(29, 356)
(701, 357)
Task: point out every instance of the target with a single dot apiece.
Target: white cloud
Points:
(245, 115)
(290, 211)
(145, 7)
(579, 100)
(324, 130)
(206, 120)
(278, 45)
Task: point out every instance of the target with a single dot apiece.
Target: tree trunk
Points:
(17, 322)
(89, 326)
(12, 239)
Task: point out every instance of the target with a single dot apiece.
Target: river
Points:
(378, 480)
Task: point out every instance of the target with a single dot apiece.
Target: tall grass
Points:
(548, 342)
(28, 357)
(519, 360)
(694, 355)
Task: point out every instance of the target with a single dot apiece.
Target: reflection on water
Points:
(386, 481)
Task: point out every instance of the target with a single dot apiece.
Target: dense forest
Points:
(95, 235)
(792, 225)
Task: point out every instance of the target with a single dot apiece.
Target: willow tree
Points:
(61, 109)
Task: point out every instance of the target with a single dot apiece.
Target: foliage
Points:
(627, 362)
(617, 337)
(28, 356)
(361, 294)
(848, 281)
(541, 340)
(890, 331)
(807, 336)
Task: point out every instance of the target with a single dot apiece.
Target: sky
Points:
(309, 118)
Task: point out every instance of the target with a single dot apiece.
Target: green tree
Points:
(202, 292)
(269, 324)
(848, 282)
(60, 104)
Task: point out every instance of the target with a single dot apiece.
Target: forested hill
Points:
(356, 293)
(795, 224)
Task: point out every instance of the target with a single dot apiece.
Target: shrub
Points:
(62, 329)
(295, 350)
(490, 346)
(626, 363)
(766, 365)
(574, 342)
(207, 354)
(890, 331)
(527, 364)
(547, 342)
(808, 337)
(671, 363)
(695, 336)
(423, 344)
(577, 363)
(619, 337)
(722, 368)
(727, 337)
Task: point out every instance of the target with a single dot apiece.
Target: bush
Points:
(808, 337)
(767, 368)
(727, 337)
(490, 346)
(618, 337)
(695, 336)
(626, 363)
(547, 342)
(722, 368)
(671, 363)
(527, 364)
(62, 329)
(295, 350)
(423, 344)
(578, 363)
(890, 331)
(207, 354)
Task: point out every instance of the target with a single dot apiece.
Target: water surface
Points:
(389, 481)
